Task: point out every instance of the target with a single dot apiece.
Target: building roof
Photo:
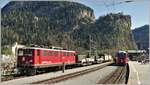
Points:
(136, 51)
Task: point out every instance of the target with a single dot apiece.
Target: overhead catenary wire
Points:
(115, 3)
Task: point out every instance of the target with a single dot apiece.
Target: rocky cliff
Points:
(65, 24)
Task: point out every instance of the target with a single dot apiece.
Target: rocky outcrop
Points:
(65, 24)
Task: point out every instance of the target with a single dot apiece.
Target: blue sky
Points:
(138, 9)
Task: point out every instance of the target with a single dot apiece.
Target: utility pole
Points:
(93, 50)
(91, 45)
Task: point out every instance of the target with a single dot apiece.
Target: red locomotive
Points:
(121, 58)
(30, 59)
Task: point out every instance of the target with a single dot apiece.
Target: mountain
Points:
(110, 32)
(65, 24)
(141, 36)
(115, 29)
(42, 22)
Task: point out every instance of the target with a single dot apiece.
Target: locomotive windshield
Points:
(121, 54)
(25, 52)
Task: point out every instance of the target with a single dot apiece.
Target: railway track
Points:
(71, 75)
(16, 76)
(116, 77)
(11, 77)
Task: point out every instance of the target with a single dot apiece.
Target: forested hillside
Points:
(141, 36)
(65, 24)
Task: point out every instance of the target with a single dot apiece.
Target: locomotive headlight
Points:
(23, 58)
(31, 61)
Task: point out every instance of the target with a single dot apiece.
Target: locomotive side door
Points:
(38, 57)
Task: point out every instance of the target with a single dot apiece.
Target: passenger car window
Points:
(50, 53)
(65, 54)
(44, 53)
(56, 54)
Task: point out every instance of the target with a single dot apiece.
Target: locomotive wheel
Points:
(21, 72)
(31, 72)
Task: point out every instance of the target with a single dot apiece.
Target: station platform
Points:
(139, 73)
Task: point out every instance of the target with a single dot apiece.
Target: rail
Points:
(116, 77)
(71, 75)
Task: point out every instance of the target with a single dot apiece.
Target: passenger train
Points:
(121, 58)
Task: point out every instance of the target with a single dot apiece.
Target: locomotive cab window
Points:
(20, 52)
(25, 52)
(121, 54)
